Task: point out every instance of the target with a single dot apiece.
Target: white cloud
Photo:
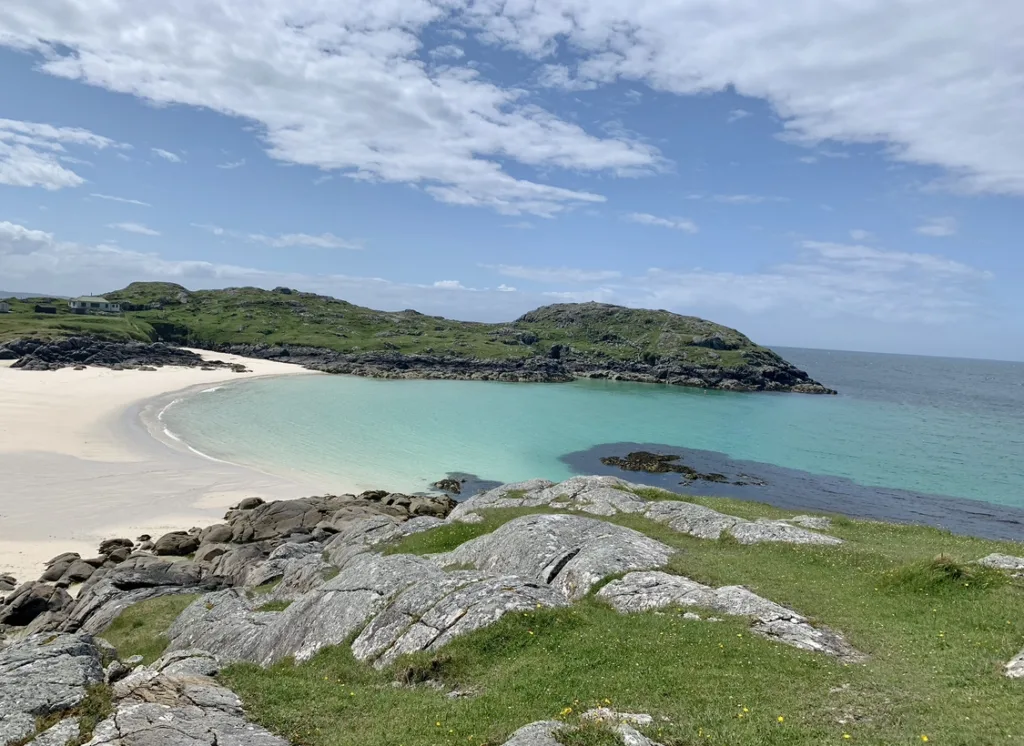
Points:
(167, 155)
(321, 241)
(947, 91)
(337, 86)
(560, 76)
(859, 234)
(447, 51)
(737, 199)
(124, 200)
(553, 274)
(31, 153)
(827, 280)
(938, 227)
(449, 285)
(523, 225)
(139, 228)
(503, 288)
(736, 115)
(230, 165)
(681, 224)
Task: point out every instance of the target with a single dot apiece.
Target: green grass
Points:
(274, 606)
(596, 334)
(23, 322)
(141, 629)
(938, 631)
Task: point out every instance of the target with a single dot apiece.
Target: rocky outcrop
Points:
(42, 675)
(606, 496)
(570, 553)
(173, 702)
(657, 463)
(31, 600)
(36, 354)
(643, 591)
(761, 370)
(401, 604)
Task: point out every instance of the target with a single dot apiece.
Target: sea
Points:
(929, 440)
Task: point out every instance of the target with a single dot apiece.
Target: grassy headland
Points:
(574, 338)
(937, 630)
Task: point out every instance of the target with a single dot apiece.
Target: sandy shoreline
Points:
(78, 463)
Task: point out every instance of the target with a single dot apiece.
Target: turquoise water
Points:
(958, 431)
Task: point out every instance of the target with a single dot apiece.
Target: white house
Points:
(5, 307)
(87, 304)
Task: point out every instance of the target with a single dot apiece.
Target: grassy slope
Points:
(937, 644)
(22, 321)
(254, 316)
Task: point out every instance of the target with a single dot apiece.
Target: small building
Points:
(45, 309)
(5, 307)
(90, 304)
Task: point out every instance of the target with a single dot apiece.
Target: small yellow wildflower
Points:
(924, 738)
(438, 723)
(782, 719)
(745, 709)
(846, 735)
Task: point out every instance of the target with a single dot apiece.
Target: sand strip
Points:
(77, 463)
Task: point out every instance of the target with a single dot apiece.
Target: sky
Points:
(843, 174)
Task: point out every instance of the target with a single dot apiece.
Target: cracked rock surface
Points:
(606, 496)
(571, 553)
(1006, 562)
(399, 604)
(643, 591)
(41, 675)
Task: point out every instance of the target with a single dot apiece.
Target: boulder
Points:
(7, 583)
(78, 572)
(644, 591)
(137, 579)
(109, 545)
(1015, 668)
(249, 503)
(31, 600)
(176, 544)
(42, 675)
(119, 555)
(59, 565)
(453, 486)
(217, 534)
(1006, 562)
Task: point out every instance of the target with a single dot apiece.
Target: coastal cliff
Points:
(554, 343)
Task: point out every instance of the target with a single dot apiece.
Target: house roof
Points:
(91, 299)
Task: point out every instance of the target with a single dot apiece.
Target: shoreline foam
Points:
(80, 465)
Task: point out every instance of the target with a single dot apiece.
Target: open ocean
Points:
(930, 440)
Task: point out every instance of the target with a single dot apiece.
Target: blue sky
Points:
(798, 174)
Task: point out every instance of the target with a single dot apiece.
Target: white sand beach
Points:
(77, 463)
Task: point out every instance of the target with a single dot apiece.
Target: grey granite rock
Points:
(607, 496)
(1015, 668)
(817, 522)
(1005, 562)
(134, 580)
(176, 544)
(31, 600)
(643, 591)
(58, 735)
(41, 675)
(171, 709)
(571, 553)
(536, 734)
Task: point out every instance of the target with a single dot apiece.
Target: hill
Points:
(553, 343)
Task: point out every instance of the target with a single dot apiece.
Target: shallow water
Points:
(920, 425)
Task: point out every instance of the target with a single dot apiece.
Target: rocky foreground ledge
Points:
(287, 579)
